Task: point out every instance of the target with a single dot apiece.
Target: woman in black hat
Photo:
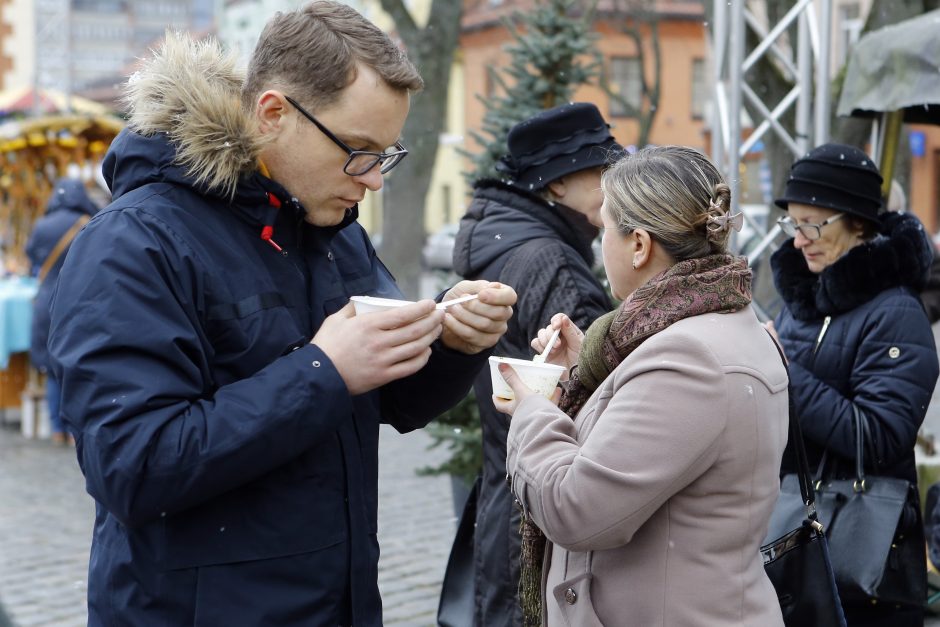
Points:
(855, 332)
(532, 230)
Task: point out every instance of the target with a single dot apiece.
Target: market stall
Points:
(34, 153)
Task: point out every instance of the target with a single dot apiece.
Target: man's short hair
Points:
(314, 51)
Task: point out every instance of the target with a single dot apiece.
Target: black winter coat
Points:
(235, 477)
(68, 203)
(544, 252)
(856, 334)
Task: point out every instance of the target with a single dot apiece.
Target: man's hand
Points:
(478, 324)
(373, 349)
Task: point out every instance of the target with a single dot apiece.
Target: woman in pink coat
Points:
(654, 478)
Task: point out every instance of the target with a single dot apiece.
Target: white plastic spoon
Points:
(540, 358)
(454, 301)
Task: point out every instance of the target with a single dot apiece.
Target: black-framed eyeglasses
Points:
(812, 232)
(359, 161)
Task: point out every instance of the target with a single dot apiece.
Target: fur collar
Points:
(900, 256)
(191, 92)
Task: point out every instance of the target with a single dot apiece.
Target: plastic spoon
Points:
(540, 358)
(454, 301)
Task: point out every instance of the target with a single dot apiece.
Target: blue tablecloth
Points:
(16, 315)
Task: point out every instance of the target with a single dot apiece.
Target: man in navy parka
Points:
(226, 400)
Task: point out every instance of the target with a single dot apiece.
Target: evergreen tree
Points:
(551, 55)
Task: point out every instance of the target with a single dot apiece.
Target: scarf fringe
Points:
(530, 572)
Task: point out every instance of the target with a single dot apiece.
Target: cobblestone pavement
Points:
(46, 519)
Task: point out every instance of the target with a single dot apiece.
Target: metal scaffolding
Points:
(53, 47)
(805, 63)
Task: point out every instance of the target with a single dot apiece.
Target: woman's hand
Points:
(568, 345)
(519, 389)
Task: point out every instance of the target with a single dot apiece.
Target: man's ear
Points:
(558, 188)
(270, 111)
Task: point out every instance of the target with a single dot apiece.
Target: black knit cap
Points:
(835, 176)
(557, 142)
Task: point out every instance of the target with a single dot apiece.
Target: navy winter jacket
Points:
(857, 334)
(67, 204)
(235, 476)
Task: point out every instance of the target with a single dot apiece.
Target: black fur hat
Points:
(557, 142)
(835, 176)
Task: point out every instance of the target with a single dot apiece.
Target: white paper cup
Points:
(540, 378)
(368, 304)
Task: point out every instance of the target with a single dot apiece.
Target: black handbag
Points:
(457, 604)
(866, 520)
(797, 561)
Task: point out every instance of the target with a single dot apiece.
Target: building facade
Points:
(680, 114)
(17, 44)
(86, 46)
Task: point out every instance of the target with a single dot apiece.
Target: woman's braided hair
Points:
(676, 194)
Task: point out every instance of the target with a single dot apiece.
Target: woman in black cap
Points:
(532, 230)
(855, 332)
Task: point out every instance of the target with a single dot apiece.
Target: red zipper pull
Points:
(268, 231)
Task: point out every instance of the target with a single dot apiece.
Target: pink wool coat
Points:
(655, 500)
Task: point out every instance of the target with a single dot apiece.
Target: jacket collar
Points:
(502, 217)
(900, 256)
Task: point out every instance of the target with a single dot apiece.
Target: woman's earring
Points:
(634, 264)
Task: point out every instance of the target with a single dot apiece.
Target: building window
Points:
(699, 91)
(625, 82)
(849, 26)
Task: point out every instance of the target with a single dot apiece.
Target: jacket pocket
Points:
(275, 516)
(302, 589)
(246, 335)
(573, 598)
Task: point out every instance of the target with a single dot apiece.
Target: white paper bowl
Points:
(540, 378)
(368, 304)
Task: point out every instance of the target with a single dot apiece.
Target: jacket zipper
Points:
(822, 332)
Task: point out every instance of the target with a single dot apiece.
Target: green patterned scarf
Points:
(713, 284)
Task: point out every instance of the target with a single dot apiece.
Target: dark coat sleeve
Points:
(413, 402)
(892, 392)
(129, 348)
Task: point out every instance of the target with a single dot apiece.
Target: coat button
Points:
(894, 352)
(329, 255)
(571, 596)
(315, 364)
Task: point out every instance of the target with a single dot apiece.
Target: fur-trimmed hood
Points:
(900, 256)
(190, 94)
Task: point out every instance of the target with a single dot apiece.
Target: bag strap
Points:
(796, 438)
(61, 245)
(862, 441)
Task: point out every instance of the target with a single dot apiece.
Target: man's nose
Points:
(373, 179)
